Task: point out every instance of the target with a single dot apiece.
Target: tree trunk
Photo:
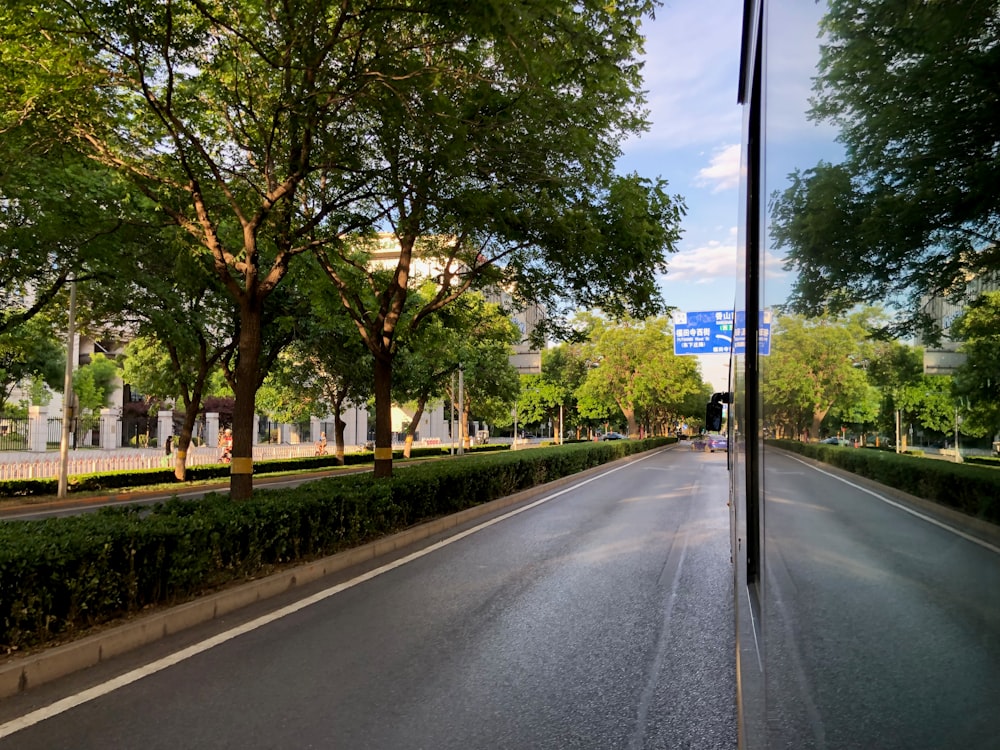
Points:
(463, 429)
(245, 389)
(633, 427)
(817, 419)
(184, 441)
(383, 416)
(414, 423)
(339, 425)
(191, 406)
(180, 452)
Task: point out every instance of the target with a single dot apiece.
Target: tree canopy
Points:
(30, 353)
(266, 132)
(978, 379)
(912, 209)
(633, 366)
(813, 364)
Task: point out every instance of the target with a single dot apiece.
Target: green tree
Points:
(814, 364)
(58, 209)
(564, 369)
(425, 364)
(931, 401)
(978, 379)
(185, 367)
(910, 211)
(184, 323)
(266, 133)
(476, 337)
(322, 370)
(634, 367)
(240, 123)
(94, 383)
(501, 173)
(692, 408)
(861, 411)
(896, 370)
(491, 386)
(30, 352)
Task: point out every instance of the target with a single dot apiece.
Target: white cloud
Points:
(723, 172)
(705, 264)
(715, 261)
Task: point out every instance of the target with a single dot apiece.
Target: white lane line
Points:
(72, 701)
(968, 537)
(753, 624)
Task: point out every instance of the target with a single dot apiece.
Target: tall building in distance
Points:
(945, 358)
(526, 358)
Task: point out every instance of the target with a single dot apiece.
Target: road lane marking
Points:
(918, 514)
(85, 696)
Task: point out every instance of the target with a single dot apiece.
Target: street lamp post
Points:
(958, 422)
(461, 411)
(67, 419)
(451, 413)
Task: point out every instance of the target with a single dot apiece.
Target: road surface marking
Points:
(921, 516)
(72, 701)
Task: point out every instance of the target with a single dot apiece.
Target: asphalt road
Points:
(880, 622)
(597, 617)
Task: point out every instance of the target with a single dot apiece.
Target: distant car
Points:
(612, 436)
(718, 443)
(834, 441)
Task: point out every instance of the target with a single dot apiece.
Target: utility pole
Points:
(958, 422)
(461, 411)
(451, 412)
(67, 419)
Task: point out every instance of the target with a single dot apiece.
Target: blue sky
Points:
(691, 78)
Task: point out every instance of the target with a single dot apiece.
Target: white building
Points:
(945, 359)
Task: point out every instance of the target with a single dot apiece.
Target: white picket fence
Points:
(46, 466)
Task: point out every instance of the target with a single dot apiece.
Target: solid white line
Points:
(753, 627)
(61, 706)
(893, 503)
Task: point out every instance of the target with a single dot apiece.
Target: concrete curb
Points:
(24, 672)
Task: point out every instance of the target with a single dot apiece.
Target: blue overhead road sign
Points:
(717, 332)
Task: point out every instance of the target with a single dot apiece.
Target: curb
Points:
(22, 673)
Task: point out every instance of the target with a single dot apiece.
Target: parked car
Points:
(835, 441)
(718, 443)
(612, 436)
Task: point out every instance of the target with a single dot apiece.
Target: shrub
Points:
(60, 575)
(974, 490)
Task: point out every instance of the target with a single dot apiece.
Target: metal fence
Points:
(140, 432)
(14, 433)
(85, 431)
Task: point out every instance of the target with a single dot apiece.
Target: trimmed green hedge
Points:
(61, 575)
(974, 490)
(112, 480)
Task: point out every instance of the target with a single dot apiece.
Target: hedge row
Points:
(60, 575)
(974, 490)
(113, 480)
